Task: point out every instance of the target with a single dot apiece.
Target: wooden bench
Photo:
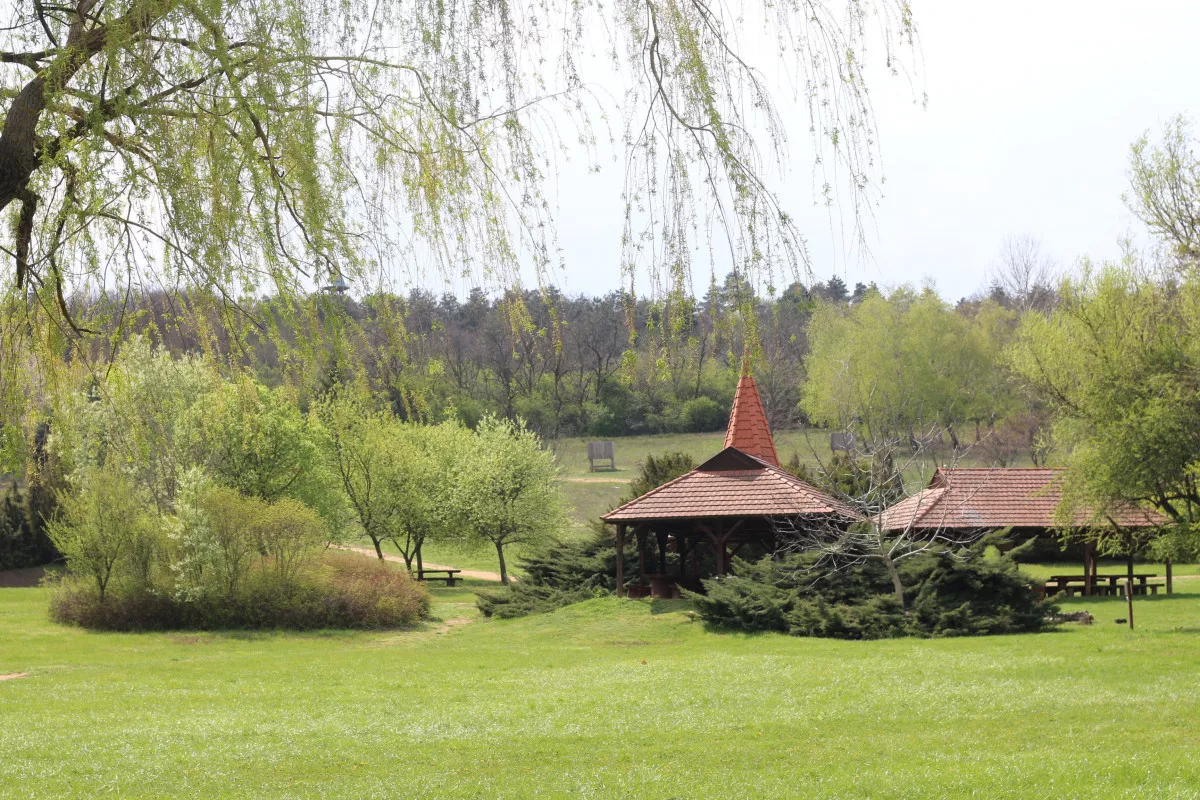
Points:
(446, 575)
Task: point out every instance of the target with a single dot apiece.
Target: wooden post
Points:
(1090, 569)
(662, 552)
(641, 546)
(1129, 601)
(1169, 587)
(621, 560)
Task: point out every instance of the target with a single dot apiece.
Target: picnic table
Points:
(446, 575)
(1103, 584)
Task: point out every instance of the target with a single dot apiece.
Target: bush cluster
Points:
(224, 560)
(946, 595)
(340, 591)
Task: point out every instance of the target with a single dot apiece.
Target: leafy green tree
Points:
(256, 440)
(423, 476)
(507, 489)
(363, 450)
(655, 470)
(103, 529)
(136, 423)
(900, 368)
(1120, 361)
(1165, 190)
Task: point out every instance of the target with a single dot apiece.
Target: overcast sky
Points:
(1032, 110)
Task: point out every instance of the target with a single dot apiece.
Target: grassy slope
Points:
(605, 699)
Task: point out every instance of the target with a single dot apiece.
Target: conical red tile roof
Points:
(748, 430)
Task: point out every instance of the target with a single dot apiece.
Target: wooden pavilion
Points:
(977, 500)
(737, 499)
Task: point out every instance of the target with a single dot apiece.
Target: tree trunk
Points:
(1169, 576)
(503, 566)
(378, 549)
(894, 573)
(420, 558)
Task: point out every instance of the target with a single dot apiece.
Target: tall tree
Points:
(1120, 360)
(507, 489)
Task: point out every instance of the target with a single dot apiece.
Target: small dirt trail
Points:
(478, 574)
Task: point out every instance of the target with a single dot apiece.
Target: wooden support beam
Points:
(641, 546)
(661, 536)
(621, 560)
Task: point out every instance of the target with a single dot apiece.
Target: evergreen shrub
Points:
(945, 595)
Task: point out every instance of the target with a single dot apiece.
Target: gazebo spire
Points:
(748, 430)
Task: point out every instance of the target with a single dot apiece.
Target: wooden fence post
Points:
(1129, 601)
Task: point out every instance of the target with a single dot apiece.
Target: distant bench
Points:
(1102, 585)
(446, 575)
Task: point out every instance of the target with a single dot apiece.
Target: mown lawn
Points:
(607, 699)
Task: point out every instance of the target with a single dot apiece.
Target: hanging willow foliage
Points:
(208, 152)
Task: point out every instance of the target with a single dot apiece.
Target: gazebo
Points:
(739, 498)
(980, 499)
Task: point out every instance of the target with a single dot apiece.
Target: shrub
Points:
(342, 591)
(880, 617)
(701, 414)
(949, 596)
(522, 598)
(975, 596)
(290, 535)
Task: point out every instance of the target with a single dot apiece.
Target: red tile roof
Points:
(748, 430)
(979, 498)
(732, 484)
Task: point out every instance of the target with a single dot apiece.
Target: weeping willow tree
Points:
(215, 151)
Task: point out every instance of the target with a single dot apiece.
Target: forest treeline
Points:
(612, 365)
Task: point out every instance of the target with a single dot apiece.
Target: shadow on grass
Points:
(660, 606)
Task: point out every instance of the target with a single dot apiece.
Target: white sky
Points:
(1032, 110)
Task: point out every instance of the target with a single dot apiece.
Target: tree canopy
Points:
(241, 147)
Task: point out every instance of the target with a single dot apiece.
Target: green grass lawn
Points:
(607, 699)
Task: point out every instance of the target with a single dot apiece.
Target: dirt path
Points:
(12, 676)
(478, 574)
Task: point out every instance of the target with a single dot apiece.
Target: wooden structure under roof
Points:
(738, 498)
(970, 500)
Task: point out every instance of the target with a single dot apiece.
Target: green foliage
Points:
(506, 490)
(655, 470)
(948, 595)
(903, 365)
(842, 475)
(24, 541)
(1120, 359)
(522, 599)
(1165, 190)
(105, 532)
(339, 592)
(702, 414)
(139, 424)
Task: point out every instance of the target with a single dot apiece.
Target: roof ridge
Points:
(1002, 469)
